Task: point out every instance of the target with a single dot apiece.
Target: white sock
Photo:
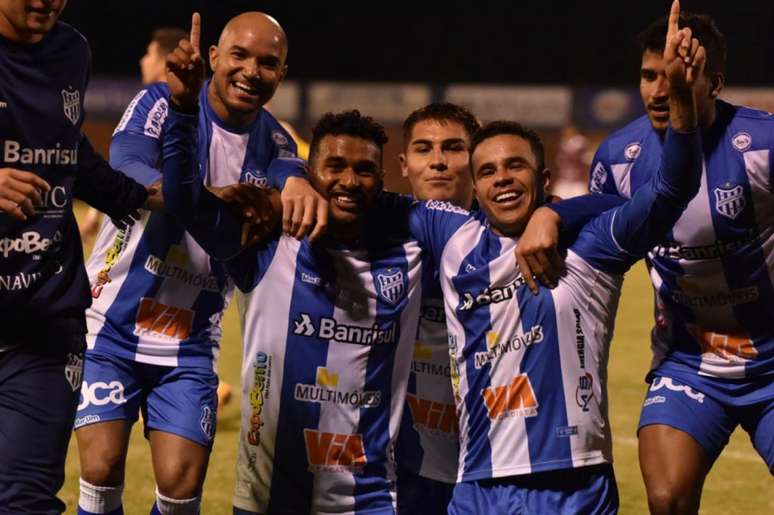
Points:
(99, 499)
(169, 506)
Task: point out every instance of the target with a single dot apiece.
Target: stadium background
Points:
(562, 69)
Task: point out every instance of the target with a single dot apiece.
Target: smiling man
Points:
(529, 372)
(436, 162)
(155, 323)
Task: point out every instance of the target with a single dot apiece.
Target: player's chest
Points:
(231, 157)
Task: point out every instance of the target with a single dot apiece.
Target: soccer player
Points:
(529, 371)
(713, 346)
(155, 325)
(327, 360)
(46, 162)
(435, 159)
(153, 69)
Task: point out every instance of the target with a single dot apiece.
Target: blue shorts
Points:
(708, 420)
(581, 491)
(38, 394)
(178, 400)
(419, 495)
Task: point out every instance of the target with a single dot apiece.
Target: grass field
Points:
(738, 484)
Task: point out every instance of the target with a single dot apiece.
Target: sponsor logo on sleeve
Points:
(516, 399)
(155, 119)
(279, 139)
(334, 452)
(632, 151)
(741, 141)
(129, 112)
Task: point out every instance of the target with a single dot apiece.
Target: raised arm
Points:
(625, 234)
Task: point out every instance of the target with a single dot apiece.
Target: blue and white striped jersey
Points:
(428, 442)
(324, 373)
(529, 372)
(158, 297)
(714, 272)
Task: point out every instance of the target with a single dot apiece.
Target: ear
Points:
(283, 72)
(718, 80)
(545, 177)
(213, 57)
(403, 164)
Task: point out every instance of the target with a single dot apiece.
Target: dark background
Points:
(590, 42)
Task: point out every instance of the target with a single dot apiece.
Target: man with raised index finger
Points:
(155, 324)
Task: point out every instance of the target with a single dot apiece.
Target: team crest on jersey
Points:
(729, 201)
(256, 178)
(72, 105)
(632, 151)
(74, 370)
(391, 285)
(741, 141)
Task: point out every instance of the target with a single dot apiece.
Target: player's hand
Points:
(684, 58)
(20, 192)
(127, 221)
(304, 211)
(536, 252)
(683, 54)
(155, 200)
(255, 206)
(185, 69)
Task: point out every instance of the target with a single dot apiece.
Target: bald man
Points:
(154, 326)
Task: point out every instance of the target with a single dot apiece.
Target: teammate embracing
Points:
(155, 324)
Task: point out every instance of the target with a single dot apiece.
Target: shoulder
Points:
(65, 35)
(626, 143)
(147, 111)
(751, 129)
(279, 135)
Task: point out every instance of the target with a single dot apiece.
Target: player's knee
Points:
(180, 479)
(107, 470)
(667, 499)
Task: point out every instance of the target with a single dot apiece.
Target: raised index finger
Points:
(196, 30)
(674, 18)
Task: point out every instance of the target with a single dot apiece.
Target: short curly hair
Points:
(500, 127)
(349, 123)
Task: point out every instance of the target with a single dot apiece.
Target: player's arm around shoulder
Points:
(434, 223)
